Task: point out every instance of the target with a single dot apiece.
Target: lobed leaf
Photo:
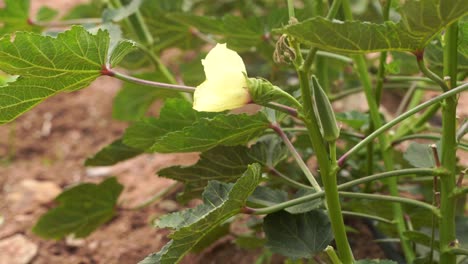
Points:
(225, 130)
(47, 66)
(175, 115)
(221, 201)
(115, 152)
(15, 16)
(224, 164)
(81, 210)
(297, 235)
(420, 22)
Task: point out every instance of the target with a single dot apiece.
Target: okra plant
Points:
(294, 169)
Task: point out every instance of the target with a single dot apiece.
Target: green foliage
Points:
(420, 21)
(46, 14)
(81, 210)
(175, 115)
(133, 100)
(47, 66)
(224, 164)
(297, 235)
(14, 17)
(220, 202)
(182, 129)
(112, 154)
(420, 155)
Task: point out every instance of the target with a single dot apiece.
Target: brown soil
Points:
(50, 144)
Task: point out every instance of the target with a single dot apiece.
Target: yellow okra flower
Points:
(225, 86)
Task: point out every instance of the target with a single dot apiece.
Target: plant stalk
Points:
(296, 156)
(447, 235)
(385, 149)
(327, 173)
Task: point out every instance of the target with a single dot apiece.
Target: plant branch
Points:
(388, 198)
(447, 235)
(166, 86)
(282, 108)
(296, 156)
(289, 180)
(379, 176)
(400, 118)
(431, 75)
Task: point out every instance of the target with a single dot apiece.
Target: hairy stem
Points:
(449, 143)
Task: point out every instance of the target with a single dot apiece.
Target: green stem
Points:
(413, 126)
(67, 23)
(327, 173)
(384, 140)
(397, 173)
(158, 63)
(447, 234)
(460, 145)
(383, 57)
(373, 217)
(396, 78)
(406, 99)
(332, 255)
(166, 86)
(431, 75)
(282, 108)
(388, 198)
(400, 118)
(289, 180)
(296, 156)
(291, 8)
(330, 55)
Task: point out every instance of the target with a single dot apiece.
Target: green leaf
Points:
(133, 100)
(46, 14)
(421, 238)
(224, 164)
(14, 17)
(266, 196)
(49, 65)
(90, 9)
(81, 210)
(175, 115)
(212, 236)
(353, 119)
(221, 201)
(123, 12)
(249, 242)
(299, 235)
(420, 155)
(223, 129)
(304, 207)
(420, 22)
(115, 152)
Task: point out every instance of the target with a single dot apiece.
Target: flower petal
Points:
(221, 60)
(221, 94)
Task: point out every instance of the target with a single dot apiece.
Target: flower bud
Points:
(330, 128)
